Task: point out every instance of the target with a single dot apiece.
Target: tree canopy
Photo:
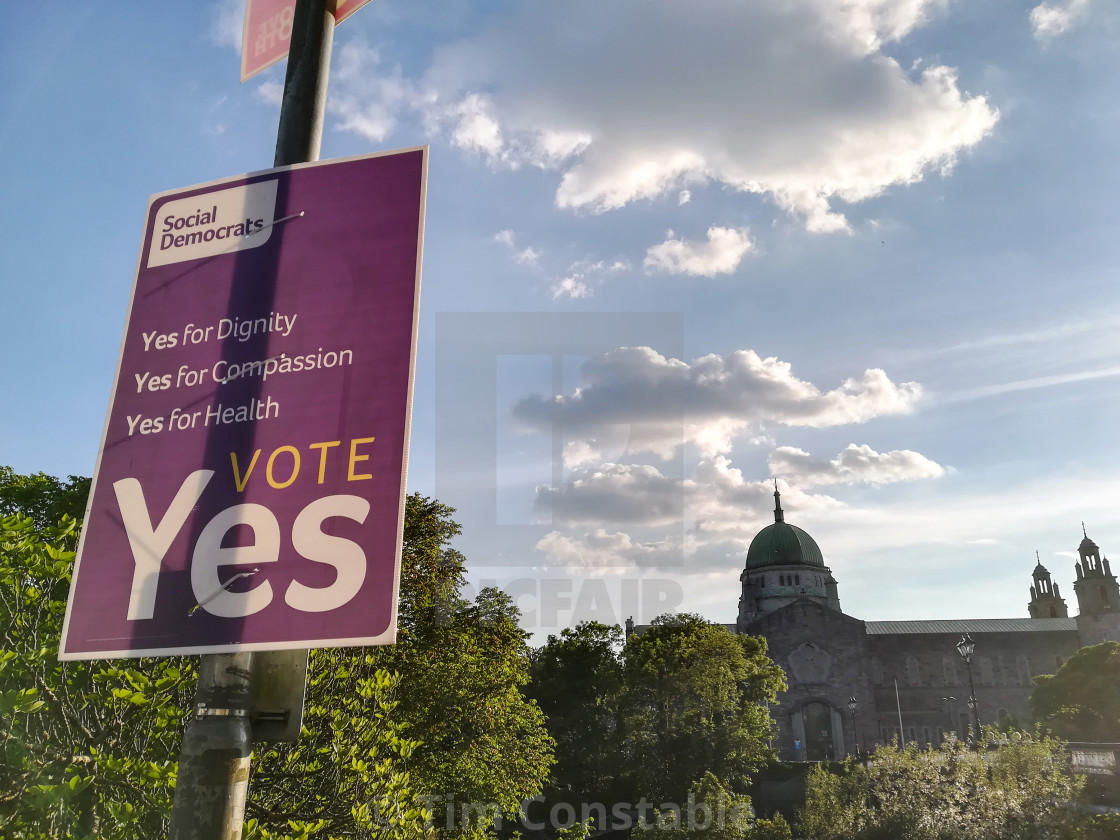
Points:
(43, 498)
(1018, 791)
(88, 748)
(1082, 701)
(676, 711)
(695, 701)
(390, 734)
(577, 682)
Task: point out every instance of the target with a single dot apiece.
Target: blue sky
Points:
(865, 247)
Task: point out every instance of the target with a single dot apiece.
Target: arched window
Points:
(797, 579)
(949, 671)
(987, 675)
(1023, 665)
(913, 671)
(877, 671)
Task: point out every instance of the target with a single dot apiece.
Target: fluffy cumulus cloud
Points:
(366, 97)
(721, 253)
(706, 519)
(798, 100)
(716, 498)
(667, 402)
(601, 549)
(855, 464)
(1050, 19)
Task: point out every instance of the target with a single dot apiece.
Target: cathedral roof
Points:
(973, 625)
(782, 544)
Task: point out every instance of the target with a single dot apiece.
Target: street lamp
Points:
(853, 705)
(965, 647)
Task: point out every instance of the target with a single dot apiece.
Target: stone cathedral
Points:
(905, 675)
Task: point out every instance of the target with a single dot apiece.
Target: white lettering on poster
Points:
(150, 544)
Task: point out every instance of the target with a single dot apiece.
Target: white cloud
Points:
(684, 197)
(617, 494)
(601, 550)
(667, 402)
(718, 510)
(716, 500)
(795, 100)
(576, 282)
(365, 99)
(270, 93)
(227, 18)
(720, 254)
(476, 129)
(1051, 19)
(571, 288)
(855, 464)
(523, 256)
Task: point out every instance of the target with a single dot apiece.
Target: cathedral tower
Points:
(1098, 596)
(1046, 600)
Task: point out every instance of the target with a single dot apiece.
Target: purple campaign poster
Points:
(249, 492)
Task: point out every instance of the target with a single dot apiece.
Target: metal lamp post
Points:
(965, 647)
(853, 705)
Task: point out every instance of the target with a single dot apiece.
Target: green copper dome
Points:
(782, 544)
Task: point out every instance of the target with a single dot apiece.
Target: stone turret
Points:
(1046, 600)
(1098, 595)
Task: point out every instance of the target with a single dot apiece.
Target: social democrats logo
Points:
(209, 224)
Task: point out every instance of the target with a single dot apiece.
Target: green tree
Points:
(463, 665)
(577, 682)
(347, 775)
(714, 812)
(1082, 701)
(88, 748)
(694, 701)
(42, 497)
(1018, 791)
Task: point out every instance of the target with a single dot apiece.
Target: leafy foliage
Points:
(43, 498)
(577, 682)
(1016, 791)
(463, 666)
(1082, 701)
(346, 776)
(714, 812)
(695, 701)
(86, 749)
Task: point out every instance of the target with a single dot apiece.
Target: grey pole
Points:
(215, 757)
